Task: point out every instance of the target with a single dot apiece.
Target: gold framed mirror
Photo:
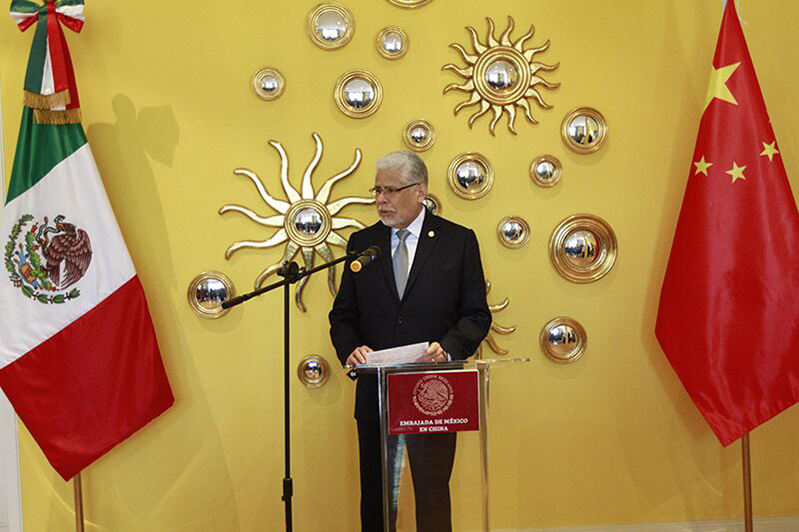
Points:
(433, 204)
(583, 248)
(409, 4)
(419, 135)
(313, 371)
(470, 175)
(513, 232)
(501, 75)
(330, 26)
(308, 223)
(392, 43)
(268, 83)
(563, 340)
(358, 94)
(584, 130)
(546, 171)
(208, 291)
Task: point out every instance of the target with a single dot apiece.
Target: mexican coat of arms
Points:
(44, 260)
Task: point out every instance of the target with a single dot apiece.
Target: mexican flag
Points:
(79, 359)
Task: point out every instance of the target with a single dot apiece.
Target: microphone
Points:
(365, 257)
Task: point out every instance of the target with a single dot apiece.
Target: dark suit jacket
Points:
(444, 301)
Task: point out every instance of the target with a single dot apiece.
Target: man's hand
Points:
(435, 353)
(358, 355)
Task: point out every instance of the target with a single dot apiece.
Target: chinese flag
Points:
(728, 319)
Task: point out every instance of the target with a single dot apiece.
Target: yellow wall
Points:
(169, 111)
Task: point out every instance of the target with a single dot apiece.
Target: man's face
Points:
(398, 209)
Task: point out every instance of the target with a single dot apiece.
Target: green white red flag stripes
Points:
(729, 307)
(79, 359)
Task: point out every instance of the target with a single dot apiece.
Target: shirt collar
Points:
(415, 228)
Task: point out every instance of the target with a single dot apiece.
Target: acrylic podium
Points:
(422, 407)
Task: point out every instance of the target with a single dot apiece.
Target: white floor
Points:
(788, 524)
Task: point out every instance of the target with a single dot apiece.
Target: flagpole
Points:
(78, 491)
(747, 484)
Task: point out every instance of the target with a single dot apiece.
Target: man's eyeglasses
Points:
(388, 191)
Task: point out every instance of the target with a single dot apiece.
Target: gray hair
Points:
(411, 167)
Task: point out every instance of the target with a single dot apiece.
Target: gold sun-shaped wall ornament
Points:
(495, 327)
(307, 221)
(501, 75)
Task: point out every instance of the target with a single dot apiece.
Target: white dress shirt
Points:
(412, 240)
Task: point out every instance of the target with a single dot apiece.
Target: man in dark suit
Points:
(427, 286)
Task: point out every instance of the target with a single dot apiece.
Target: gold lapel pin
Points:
(431, 234)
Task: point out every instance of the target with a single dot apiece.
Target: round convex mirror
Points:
(513, 232)
(546, 171)
(313, 371)
(419, 135)
(584, 130)
(268, 83)
(330, 26)
(563, 340)
(583, 248)
(358, 94)
(432, 204)
(392, 43)
(207, 292)
(470, 175)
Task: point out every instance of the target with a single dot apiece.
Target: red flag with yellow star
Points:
(728, 319)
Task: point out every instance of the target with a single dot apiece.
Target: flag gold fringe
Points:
(40, 101)
(46, 116)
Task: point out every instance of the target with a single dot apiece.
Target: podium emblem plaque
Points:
(433, 402)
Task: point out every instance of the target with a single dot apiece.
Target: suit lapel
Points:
(384, 241)
(427, 241)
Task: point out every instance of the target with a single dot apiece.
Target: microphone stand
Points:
(291, 273)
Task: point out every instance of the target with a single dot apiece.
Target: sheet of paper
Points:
(397, 355)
